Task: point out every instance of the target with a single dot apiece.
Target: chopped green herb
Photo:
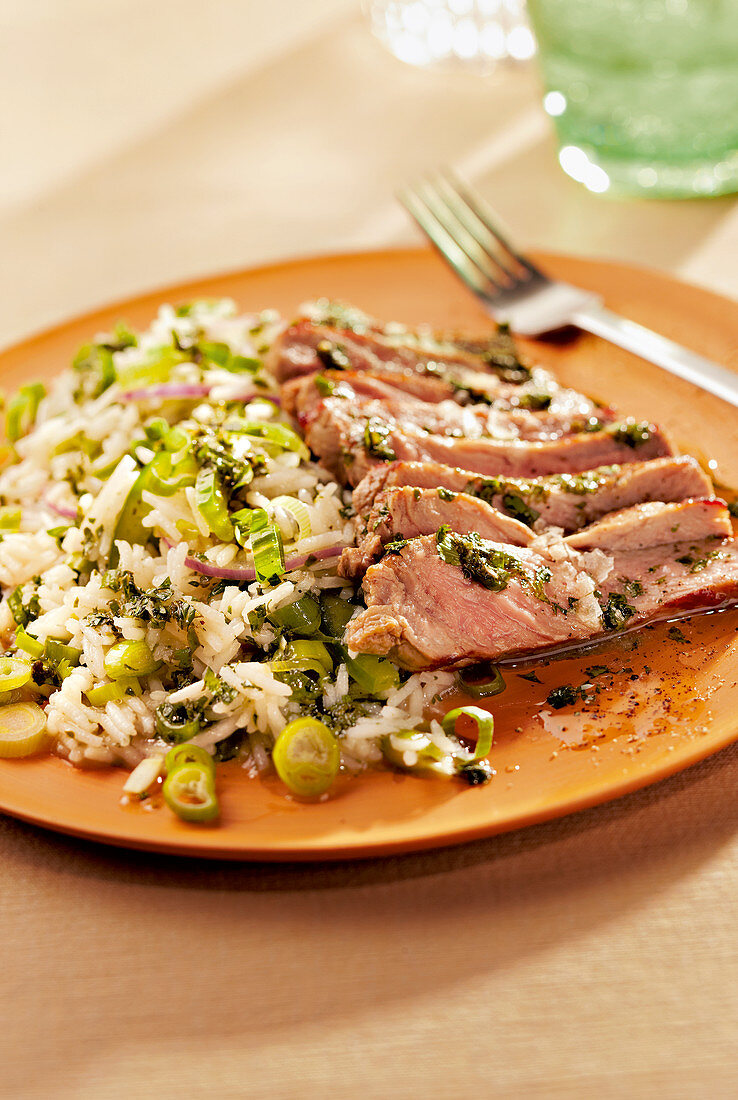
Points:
(324, 385)
(376, 440)
(617, 611)
(515, 506)
(395, 545)
(332, 356)
(632, 433)
(562, 696)
(597, 670)
(485, 564)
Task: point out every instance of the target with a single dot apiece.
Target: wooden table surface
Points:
(593, 956)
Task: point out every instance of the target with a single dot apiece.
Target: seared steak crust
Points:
(425, 612)
(566, 501)
(407, 513)
(351, 438)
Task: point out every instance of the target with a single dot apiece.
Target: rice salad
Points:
(168, 565)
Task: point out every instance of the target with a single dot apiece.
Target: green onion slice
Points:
(336, 615)
(175, 723)
(374, 675)
(14, 673)
(30, 645)
(189, 791)
(22, 409)
(156, 366)
(211, 504)
(118, 689)
(266, 545)
(300, 617)
(241, 521)
(129, 659)
(299, 513)
(307, 757)
(483, 688)
(285, 438)
(483, 721)
(22, 729)
(428, 758)
(56, 652)
(10, 518)
(184, 755)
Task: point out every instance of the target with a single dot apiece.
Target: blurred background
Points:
(148, 143)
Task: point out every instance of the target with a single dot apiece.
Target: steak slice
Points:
(656, 524)
(569, 501)
(563, 413)
(335, 335)
(301, 395)
(408, 512)
(423, 612)
(454, 600)
(349, 439)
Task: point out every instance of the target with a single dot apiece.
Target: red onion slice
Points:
(189, 389)
(66, 513)
(225, 573)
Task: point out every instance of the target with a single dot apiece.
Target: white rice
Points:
(83, 458)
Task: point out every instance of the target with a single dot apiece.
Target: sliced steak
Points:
(302, 395)
(407, 513)
(570, 501)
(562, 414)
(349, 440)
(454, 600)
(332, 335)
(423, 612)
(656, 524)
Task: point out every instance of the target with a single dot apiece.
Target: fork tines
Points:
(459, 224)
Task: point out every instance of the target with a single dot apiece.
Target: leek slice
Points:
(266, 545)
(211, 504)
(299, 513)
(22, 729)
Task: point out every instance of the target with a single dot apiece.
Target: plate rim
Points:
(207, 847)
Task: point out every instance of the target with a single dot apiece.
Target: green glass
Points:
(644, 93)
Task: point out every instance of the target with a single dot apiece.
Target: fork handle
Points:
(659, 350)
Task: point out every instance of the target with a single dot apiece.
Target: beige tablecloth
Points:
(596, 956)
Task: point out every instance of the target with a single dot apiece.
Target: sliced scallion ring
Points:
(306, 756)
(336, 614)
(485, 687)
(129, 659)
(22, 409)
(22, 729)
(300, 617)
(483, 721)
(14, 673)
(285, 438)
(118, 689)
(56, 652)
(30, 645)
(299, 513)
(189, 791)
(10, 518)
(183, 755)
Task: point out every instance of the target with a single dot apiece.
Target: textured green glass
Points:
(644, 93)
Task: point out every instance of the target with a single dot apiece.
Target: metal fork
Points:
(513, 289)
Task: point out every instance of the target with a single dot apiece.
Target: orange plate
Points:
(669, 702)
